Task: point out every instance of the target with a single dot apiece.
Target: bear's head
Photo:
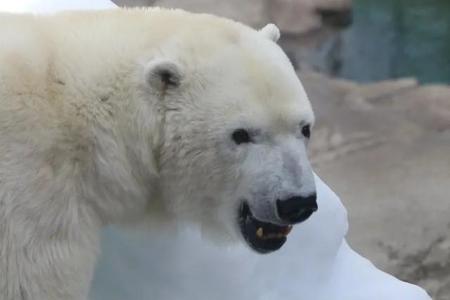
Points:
(235, 124)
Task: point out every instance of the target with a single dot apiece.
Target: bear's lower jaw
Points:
(262, 237)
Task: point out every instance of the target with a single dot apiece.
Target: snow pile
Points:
(315, 264)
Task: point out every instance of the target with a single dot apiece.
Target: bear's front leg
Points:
(47, 262)
(49, 231)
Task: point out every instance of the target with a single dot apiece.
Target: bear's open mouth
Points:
(261, 236)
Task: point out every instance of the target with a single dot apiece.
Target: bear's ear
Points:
(163, 74)
(271, 32)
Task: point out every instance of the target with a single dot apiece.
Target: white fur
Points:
(87, 140)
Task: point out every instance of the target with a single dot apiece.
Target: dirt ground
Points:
(385, 149)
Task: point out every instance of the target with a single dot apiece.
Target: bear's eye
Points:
(241, 136)
(306, 131)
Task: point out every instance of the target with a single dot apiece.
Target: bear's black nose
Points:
(296, 209)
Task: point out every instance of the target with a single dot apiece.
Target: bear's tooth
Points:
(259, 232)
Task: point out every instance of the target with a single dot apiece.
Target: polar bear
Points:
(119, 115)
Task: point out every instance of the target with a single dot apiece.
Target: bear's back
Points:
(56, 69)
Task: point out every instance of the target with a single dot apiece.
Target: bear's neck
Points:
(126, 141)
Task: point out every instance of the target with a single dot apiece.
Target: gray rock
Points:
(251, 12)
(301, 16)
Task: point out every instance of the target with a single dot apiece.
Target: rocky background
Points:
(384, 147)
